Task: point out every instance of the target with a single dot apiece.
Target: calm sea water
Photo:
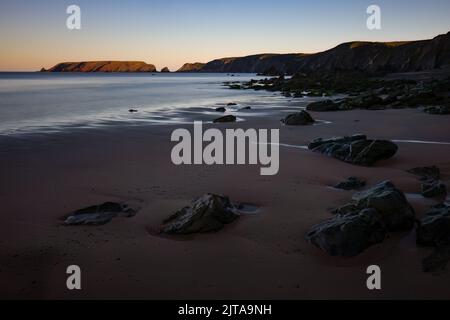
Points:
(36, 102)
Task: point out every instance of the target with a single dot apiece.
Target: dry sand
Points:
(43, 177)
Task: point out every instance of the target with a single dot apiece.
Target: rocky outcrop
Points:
(165, 70)
(355, 149)
(99, 214)
(206, 214)
(351, 183)
(325, 105)
(431, 186)
(103, 66)
(298, 119)
(437, 110)
(364, 221)
(192, 67)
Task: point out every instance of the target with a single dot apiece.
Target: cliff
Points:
(191, 67)
(102, 66)
(372, 57)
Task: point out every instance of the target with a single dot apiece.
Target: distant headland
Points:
(370, 57)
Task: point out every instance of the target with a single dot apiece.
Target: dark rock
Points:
(355, 149)
(228, 118)
(325, 105)
(99, 214)
(221, 109)
(366, 101)
(426, 173)
(390, 202)
(232, 104)
(433, 189)
(299, 118)
(437, 261)
(364, 221)
(245, 108)
(437, 110)
(133, 110)
(348, 234)
(206, 214)
(351, 183)
(165, 70)
(434, 228)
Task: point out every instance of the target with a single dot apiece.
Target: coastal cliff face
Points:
(371, 57)
(192, 67)
(102, 66)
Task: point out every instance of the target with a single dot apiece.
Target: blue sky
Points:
(169, 33)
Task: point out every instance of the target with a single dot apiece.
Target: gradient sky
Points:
(33, 34)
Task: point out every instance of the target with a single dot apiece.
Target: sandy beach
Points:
(260, 256)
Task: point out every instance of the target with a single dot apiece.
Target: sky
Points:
(33, 34)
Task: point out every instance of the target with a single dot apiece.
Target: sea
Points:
(34, 102)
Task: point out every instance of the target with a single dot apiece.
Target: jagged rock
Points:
(325, 105)
(351, 183)
(434, 228)
(99, 214)
(355, 149)
(299, 118)
(228, 118)
(364, 221)
(206, 214)
(221, 109)
(437, 110)
(348, 234)
(433, 189)
(426, 173)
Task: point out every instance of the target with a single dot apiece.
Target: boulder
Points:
(232, 104)
(245, 108)
(348, 234)
(433, 189)
(364, 221)
(351, 183)
(221, 109)
(228, 118)
(206, 214)
(299, 118)
(355, 149)
(434, 228)
(99, 214)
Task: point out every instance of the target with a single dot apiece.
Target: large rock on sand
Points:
(351, 183)
(355, 149)
(298, 119)
(206, 214)
(364, 221)
(228, 118)
(434, 228)
(99, 214)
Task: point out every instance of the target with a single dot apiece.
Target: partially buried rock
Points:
(228, 118)
(437, 110)
(433, 189)
(232, 104)
(351, 183)
(245, 108)
(426, 173)
(364, 221)
(221, 109)
(206, 214)
(99, 214)
(299, 118)
(355, 149)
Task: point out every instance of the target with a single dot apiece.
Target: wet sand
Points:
(44, 177)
